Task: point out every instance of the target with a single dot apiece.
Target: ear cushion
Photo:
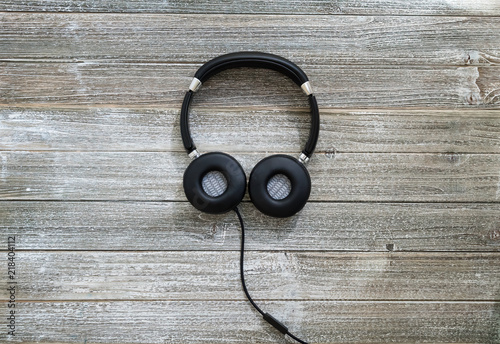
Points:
(294, 171)
(232, 171)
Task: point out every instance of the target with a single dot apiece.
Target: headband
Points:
(256, 60)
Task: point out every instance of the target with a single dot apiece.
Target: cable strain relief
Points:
(275, 322)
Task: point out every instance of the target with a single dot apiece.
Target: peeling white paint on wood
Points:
(211, 275)
(157, 129)
(399, 242)
(236, 322)
(365, 7)
(338, 40)
(339, 177)
(164, 84)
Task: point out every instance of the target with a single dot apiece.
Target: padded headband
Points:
(258, 60)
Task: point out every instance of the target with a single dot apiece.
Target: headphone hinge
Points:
(194, 154)
(304, 159)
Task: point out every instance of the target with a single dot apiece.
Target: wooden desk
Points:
(400, 240)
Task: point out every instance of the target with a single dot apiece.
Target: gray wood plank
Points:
(330, 40)
(237, 322)
(49, 276)
(133, 84)
(335, 177)
(320, 226)
(369, 7)
(138, 129)
(130, 72)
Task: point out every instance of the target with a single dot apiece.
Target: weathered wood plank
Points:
(335, 177)
(320, 226)
(137, 129)
(346, 40)
(188, 289)
(157, 84)
(45, 276)
(237, 322)
(369, 7)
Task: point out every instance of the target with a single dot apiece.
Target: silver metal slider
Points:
(195, 85)
(306, 87)
(304, 159)
(194, 154)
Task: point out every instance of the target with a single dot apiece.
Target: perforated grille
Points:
(214, 183)
(279, 186)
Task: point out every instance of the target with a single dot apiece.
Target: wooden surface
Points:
(399, 243)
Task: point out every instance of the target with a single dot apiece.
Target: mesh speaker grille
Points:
(214, 183)
(279, 186)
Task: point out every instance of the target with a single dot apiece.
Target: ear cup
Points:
(300, 183)
(234, 177)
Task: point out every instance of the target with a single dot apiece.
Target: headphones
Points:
(279, 185)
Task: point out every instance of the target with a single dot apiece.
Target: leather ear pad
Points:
(232, 171)
(299, 179)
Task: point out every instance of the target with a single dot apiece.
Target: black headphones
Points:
(215, 182)
(232, 179)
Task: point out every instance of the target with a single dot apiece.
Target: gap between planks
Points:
(200, 108)
(250, 14)
(376, 301)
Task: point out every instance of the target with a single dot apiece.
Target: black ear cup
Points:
(234, 177)
(294, 171)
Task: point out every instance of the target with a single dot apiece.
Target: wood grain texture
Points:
(158, 84)
(166, 226)
(365, 7)
(139, 129)
(344, 40)
(399, 243)
(49, 276)
(236, 322)
(335, 177)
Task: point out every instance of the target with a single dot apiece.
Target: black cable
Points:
(268, 317)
